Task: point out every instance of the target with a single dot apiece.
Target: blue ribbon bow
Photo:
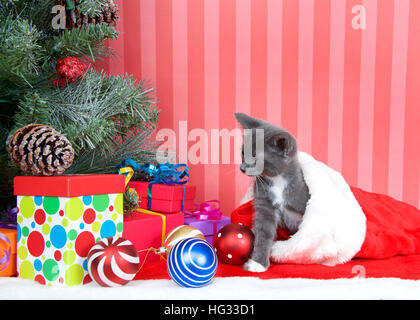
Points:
(166, 173)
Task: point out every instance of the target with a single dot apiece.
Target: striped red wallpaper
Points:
(342, 75)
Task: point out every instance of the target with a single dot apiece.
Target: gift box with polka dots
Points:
(59, 219)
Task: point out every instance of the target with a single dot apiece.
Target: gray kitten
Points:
(280, 191)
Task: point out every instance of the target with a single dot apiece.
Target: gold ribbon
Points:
(163, 217)
(129, 173)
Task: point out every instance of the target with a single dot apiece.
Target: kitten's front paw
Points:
(254, 266)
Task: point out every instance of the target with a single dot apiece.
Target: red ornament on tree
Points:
(68, 69)
(234, 244)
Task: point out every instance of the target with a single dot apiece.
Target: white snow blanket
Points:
(234, 288)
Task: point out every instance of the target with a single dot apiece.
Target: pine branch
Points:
(92, 111)
(21, 55)
(92, 8)
(139, 147)
(38, 12)
(84, 41)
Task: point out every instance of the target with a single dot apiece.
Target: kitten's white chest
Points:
(290, 218)
(277, 189)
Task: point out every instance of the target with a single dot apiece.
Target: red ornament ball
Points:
(113, 262)
(234, 244)
(68, 69)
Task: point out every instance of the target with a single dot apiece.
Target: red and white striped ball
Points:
(113, 262)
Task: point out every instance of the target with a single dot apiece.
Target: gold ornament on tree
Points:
(40, 150)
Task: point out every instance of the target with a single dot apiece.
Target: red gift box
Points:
(145, 231)
(165, 198)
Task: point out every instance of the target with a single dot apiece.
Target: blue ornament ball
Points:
(192, 263)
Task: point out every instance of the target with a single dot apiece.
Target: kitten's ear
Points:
(286, 144)
(248, 122)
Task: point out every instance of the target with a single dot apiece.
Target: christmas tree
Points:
(49, 75)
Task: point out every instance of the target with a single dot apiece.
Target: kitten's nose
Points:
(243, 167)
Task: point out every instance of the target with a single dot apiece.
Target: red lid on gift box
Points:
(69, 185)
(165, 198)
(164, 191)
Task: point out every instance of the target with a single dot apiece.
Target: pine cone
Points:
(40, 150)
(130, 202)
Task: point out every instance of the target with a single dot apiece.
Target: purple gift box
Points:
(207, 227)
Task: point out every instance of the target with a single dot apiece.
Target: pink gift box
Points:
(165, 198)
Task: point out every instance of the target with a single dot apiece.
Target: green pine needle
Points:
(84, 41)
(92, 8)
